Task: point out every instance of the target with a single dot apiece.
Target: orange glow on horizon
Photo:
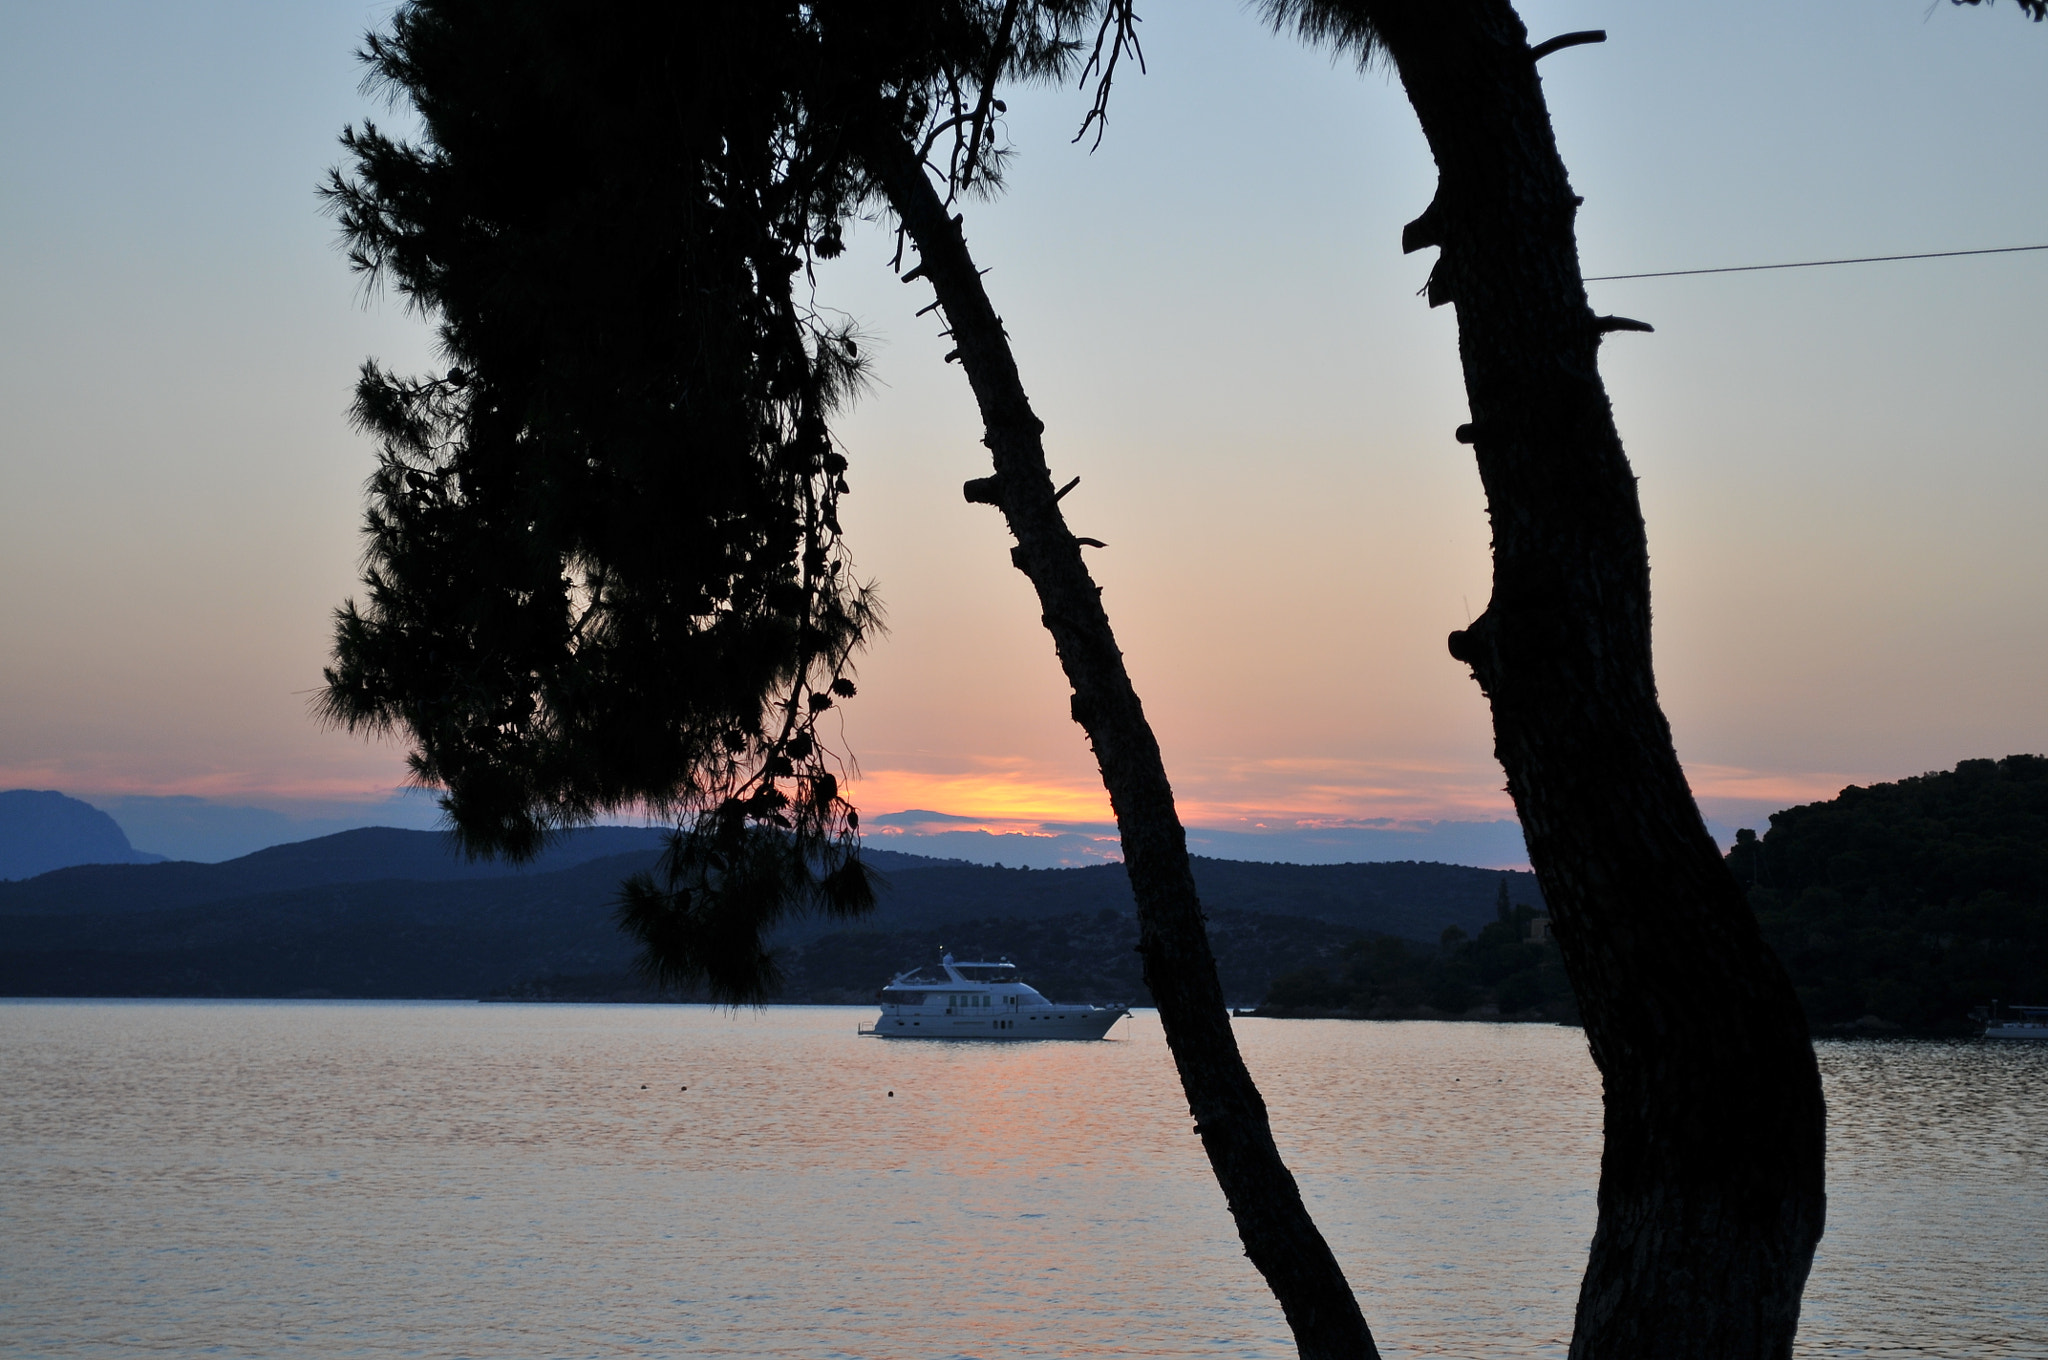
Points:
(1017, 796)
(1010, 796)
(1280, 793)
(997, 795)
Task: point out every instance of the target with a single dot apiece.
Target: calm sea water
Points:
(336, 1179)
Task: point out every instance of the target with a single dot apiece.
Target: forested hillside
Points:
(1511, 970)
(1910, 904)
(389, 913)
(1898, 907)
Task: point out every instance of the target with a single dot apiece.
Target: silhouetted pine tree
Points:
(1230, 1116)
(604, 565)
(604, 569)
(1711, 1187)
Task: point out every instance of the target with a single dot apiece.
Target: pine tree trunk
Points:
(1711, 1183)
(1230, 1116)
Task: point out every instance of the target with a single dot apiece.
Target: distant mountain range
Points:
(391, 913)
(364, 856)
(41, 830)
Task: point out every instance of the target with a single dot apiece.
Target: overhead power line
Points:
(1814, 264)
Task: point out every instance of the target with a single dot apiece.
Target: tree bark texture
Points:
(1230, 1115)
(1711, 1183)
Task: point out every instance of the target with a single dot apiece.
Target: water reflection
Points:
(334, 1179)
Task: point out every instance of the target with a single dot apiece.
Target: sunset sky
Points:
(1842, 469)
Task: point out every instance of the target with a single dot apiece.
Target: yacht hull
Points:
(1078, 1022)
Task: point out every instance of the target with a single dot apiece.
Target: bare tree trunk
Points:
(1711, 1183)
(1278, 1234)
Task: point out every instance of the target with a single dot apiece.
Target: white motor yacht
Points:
(2030, 1023)
(953, 1000)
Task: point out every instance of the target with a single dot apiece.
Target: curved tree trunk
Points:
(1711, 1183)
(1278, 1234)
